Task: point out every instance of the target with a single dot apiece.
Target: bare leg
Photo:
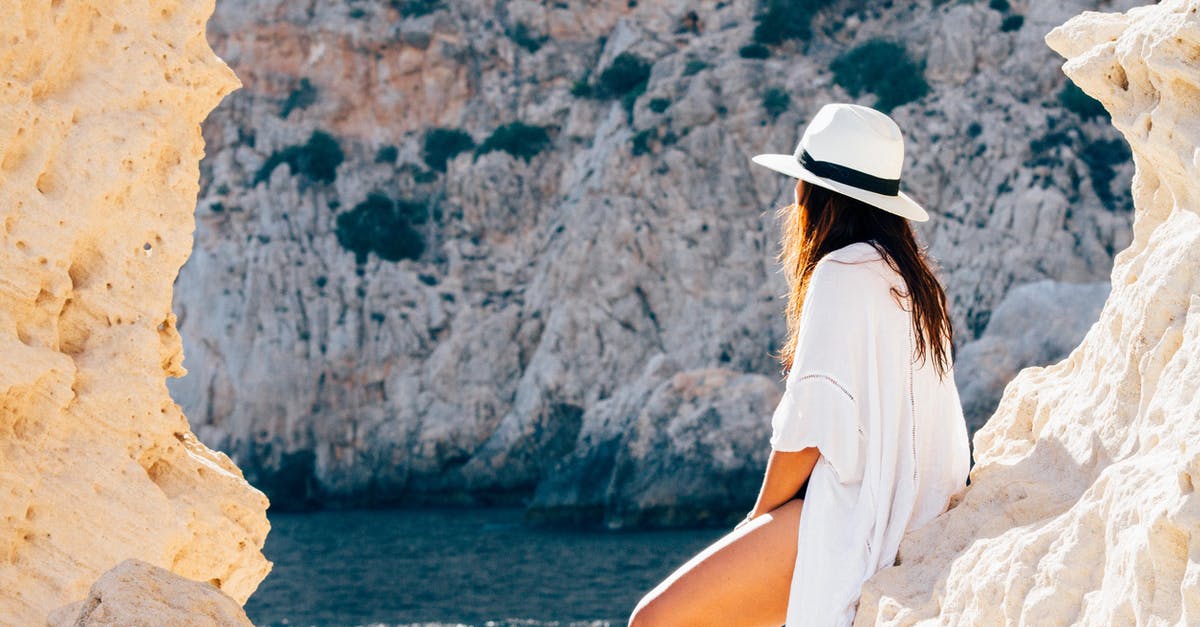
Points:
(741, 580)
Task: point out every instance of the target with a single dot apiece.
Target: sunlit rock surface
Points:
(100, 106)
(1082, 507)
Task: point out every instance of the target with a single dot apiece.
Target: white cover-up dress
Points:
(893, 442)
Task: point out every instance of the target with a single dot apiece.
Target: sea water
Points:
(458, 566)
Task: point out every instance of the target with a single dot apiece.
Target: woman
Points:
(868, 440)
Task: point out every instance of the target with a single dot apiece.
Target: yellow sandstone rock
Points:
(100, 106)
(1082, 508)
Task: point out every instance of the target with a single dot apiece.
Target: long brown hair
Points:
(823, 220)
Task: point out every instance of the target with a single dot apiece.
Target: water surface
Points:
(458, 566)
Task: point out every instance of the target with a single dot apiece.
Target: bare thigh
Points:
(743, 579)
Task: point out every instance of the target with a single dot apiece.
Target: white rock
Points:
(1082, 507)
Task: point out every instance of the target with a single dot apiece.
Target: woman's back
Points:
(892, 436)
(932, 423)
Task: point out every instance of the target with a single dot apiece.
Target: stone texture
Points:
(676, 418)
(137, 594)
(1082, 507)
(1036, 323)
(547, 285)
(100, 106)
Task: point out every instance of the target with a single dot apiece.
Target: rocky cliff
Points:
(1082, 507)
(100, 107)
(440, 245)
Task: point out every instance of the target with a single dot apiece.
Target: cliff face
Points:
(1082, 507)
(100, 109)
(504, 294)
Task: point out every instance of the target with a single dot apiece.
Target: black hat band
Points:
(849, 176)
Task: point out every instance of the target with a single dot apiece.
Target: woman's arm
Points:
(786, 472)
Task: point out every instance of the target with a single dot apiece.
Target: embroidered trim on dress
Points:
(831, 380)
(912, 403)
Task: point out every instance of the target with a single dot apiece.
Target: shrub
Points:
(1100, 156)
(581, 88)
(384, 226)
(1012, 23)
(658, 105)
(754, 51)
(317, 159)
(1051, 140)
(641, 141)
(1042, 148)
(628, 73)
(387, 154)
(303, 96)
(974, 129)
(442, 144)
(626, 77)
(517, 139)
(693, 66)
(416, 8)
(628, 101)
(883, 68)
(523, 36)
(1076, 101)
(999, 5)
(775, 101)
(785, 19)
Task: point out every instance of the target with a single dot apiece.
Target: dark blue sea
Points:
(458, 566)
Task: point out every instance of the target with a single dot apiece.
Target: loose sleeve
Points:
(819, 406)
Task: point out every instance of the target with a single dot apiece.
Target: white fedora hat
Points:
(853, 150)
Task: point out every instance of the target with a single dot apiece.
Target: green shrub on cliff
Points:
(1100, 156)
(785, 19)
(302, 97)
(881, 67)
(441, 144)
(416, 8)
(693, 66)
(754, 51)
(625, 77)
(627, 73)
(526, 37)
(1012, 23)
(382, 225)
(316, 160)
(387, 154)
(641, 141)
(775, 101)
(1078, 102)
(517, 139)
